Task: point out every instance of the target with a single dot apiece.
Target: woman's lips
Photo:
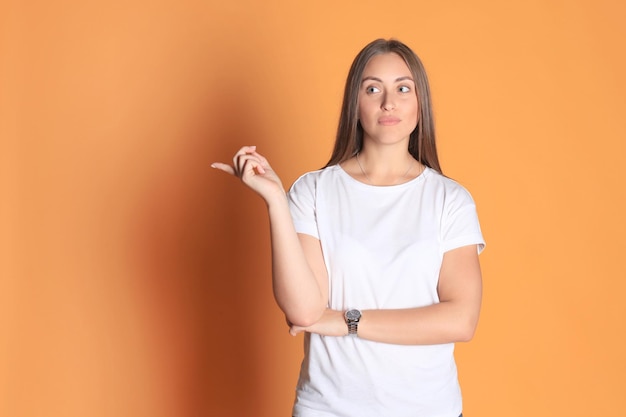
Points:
(388, 121)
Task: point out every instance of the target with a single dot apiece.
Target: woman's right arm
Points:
(299, 277)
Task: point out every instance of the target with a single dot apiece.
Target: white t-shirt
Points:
(383, 248)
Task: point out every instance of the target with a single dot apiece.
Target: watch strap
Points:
(353, 327)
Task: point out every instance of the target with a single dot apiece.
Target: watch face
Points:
(353, 315)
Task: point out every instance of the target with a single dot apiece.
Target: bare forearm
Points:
(296, 289)
(436, 324)
(296, 284)
(446, 322)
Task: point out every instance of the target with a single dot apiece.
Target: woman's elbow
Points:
(304, 318)
(465, 332)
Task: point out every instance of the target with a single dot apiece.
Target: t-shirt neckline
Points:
(364, 185)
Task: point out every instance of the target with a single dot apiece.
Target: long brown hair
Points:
(349, 140)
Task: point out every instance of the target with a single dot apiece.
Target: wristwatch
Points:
(352, 320)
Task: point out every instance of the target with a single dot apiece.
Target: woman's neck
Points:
(385, 166)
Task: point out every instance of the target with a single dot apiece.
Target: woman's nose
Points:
(388, 102)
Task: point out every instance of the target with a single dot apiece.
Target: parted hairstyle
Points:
(349, 140)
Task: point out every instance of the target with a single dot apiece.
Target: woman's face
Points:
(388, 109)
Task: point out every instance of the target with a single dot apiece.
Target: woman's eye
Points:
(371, 89)
(404, 89)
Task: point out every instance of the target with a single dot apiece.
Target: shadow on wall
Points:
(201, 276)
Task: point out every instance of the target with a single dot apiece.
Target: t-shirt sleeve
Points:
(301, 197)
(460, 226)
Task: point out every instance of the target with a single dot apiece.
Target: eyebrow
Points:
(370, 78)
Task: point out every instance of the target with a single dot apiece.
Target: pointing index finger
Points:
(223, 167)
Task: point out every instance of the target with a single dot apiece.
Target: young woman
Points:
(375, 256)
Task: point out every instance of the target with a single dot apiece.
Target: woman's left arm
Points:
(453, 319)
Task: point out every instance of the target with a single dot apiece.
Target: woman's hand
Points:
(332, 323)
(254, 171)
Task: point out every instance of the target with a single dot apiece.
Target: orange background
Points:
(135, 280)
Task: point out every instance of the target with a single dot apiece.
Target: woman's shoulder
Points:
(316, 175)
(447, 185)
(311, 178)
